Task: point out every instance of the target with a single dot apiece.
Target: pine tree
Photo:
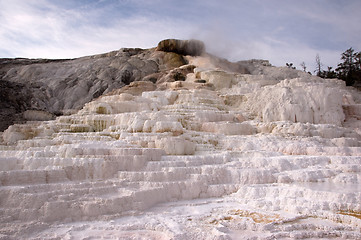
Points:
(330, 73)
(290, 65)
(349, 70)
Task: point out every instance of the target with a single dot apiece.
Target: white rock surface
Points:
(257, 157)
(311, 100)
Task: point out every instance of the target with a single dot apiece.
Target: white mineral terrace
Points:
(253, 158)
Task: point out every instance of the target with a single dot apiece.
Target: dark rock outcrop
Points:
(183, 47)
(14, 99)
(177, 74)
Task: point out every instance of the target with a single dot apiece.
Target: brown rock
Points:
(183, 47)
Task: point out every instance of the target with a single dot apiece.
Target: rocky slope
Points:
(200, 148)
(59, 87)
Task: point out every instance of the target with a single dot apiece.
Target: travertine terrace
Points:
(229, 151)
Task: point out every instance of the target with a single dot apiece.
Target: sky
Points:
(281, 31)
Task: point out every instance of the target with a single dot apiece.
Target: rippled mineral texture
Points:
(165, 145)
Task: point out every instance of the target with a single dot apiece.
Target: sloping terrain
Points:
(57, 87)
(206, 150)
